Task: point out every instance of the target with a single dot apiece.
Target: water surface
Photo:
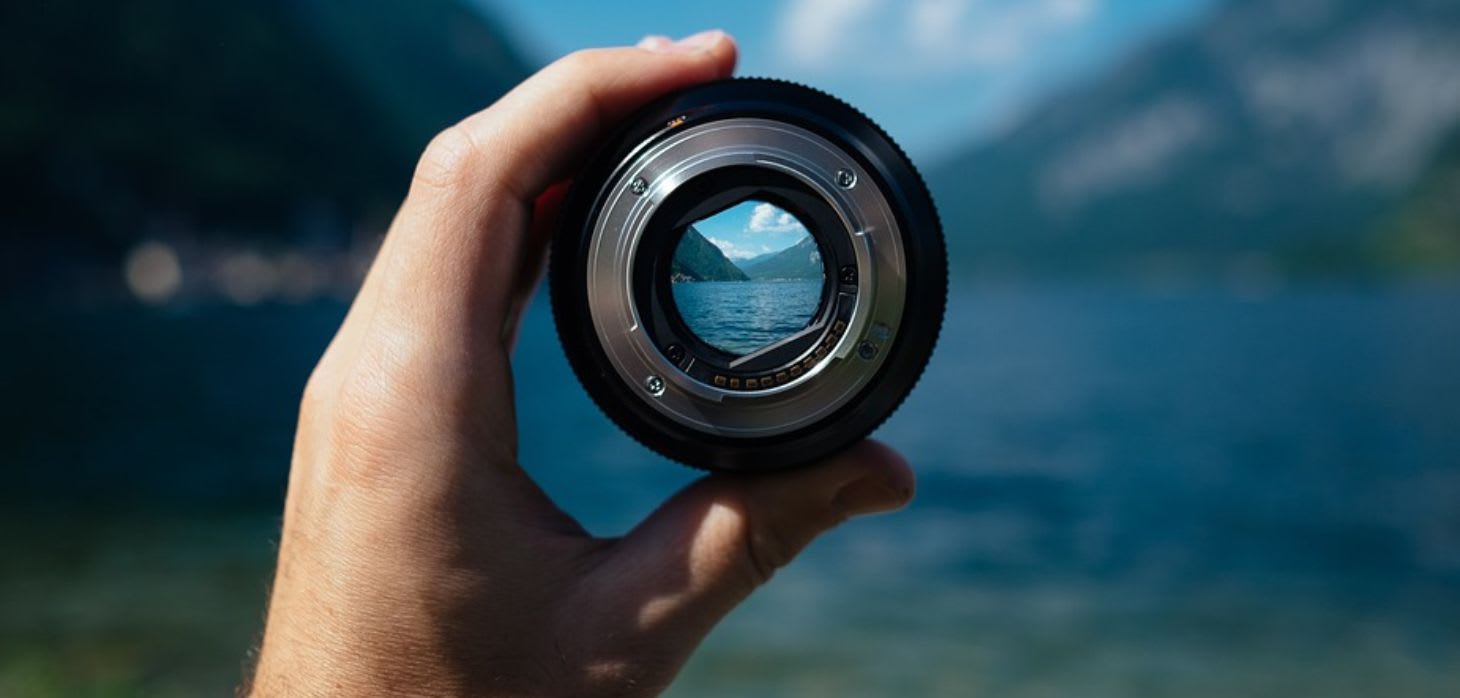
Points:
(1121, 493)
(743, 316)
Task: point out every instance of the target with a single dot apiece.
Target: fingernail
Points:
(656, 43)
(871, 495)
(697, 42)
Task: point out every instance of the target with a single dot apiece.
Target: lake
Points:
(742, 316)
(1122, 492)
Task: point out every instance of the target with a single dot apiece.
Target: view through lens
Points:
(747, 277)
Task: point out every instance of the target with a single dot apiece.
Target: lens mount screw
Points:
(846, 179)
(867, 351)
(639, 186)
(655, 385)
(849, 274)
(675, 353)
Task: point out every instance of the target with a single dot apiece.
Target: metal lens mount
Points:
(807, 395)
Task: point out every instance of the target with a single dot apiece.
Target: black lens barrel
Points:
(906, 353)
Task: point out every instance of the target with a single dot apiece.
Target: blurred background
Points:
(1192, 428)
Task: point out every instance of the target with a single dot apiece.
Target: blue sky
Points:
(750, 229)
(936, 73)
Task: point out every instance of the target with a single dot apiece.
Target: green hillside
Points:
(1424, 234)
(697, 259)
(799, 261)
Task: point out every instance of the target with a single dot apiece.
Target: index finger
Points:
(457, 244)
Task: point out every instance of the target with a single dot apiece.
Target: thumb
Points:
(714, 543)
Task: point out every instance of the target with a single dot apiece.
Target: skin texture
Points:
(417, 556)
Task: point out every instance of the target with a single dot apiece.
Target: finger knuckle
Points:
(316, 390)
(362, 452)
(768, 549)
(578, 63)
(446, 158)
(374, 413)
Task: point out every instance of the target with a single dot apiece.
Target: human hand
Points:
(417, 556)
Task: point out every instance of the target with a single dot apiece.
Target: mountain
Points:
(799, 261)
(1290, 131)
(697, 259)
(233, 121)
(1424, 233)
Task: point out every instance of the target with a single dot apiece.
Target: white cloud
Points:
(935, 22)
(1068, 11)
(922, 35)
(811, 30)
(737, 252)
(765, 218)
(960, 33)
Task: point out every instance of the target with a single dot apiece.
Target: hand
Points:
(417, 556)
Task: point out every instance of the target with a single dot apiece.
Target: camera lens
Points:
(750, 275)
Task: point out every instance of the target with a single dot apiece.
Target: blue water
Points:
(742, 316)
(1121, 493)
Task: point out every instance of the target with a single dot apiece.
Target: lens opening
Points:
(747, 277)
(760, 360)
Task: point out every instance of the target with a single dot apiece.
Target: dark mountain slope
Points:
(231, 119)
(697, 259)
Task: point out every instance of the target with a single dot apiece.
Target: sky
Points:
(937, 74)
(750, 229)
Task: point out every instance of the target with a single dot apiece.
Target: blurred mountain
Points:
(1293, 131)
(293, 120)
(697, 259)
(1424, 232)
(799, 261)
